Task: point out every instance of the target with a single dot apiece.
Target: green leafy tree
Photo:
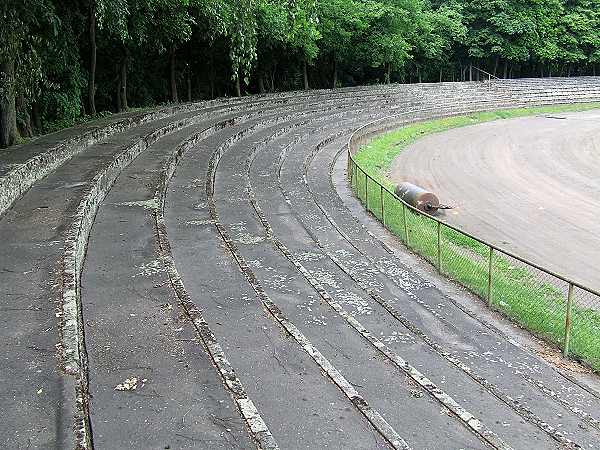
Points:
(341, 24)
(243, 42)
(303, 33)
(439, 33)
(273, 29)
(63, 59)
(21, 31)
(391, 38)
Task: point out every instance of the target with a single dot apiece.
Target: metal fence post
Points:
(349, 168)
(439, 247)
(489, 280)
(366, 191)
(568, 322)
(357, 180)
(382, 207)
(405, 227)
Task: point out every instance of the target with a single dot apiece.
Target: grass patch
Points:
(533, 299)
(377, 157)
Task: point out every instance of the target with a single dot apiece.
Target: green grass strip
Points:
(377, 157)
(533, 299)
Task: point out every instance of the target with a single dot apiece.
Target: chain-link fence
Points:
(551, 306)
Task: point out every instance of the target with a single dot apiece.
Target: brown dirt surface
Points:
(529, 185)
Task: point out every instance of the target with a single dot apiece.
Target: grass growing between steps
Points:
(533, 299)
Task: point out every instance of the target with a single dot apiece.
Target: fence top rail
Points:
(487, 73)
(458, 230)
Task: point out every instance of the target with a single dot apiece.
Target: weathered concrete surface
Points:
(135, 329)
(379, 383)
(335, 339)
(31, 262)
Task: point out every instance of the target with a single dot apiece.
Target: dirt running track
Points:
(530, 185)
(201, 278)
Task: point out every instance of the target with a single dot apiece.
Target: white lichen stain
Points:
(277, 282)
(48, 244)
(238, 227)
(309, 256)
(146, 204)
(249, 239)
(343, 253)
(396, 336)
(200, 222)
(152, 268)
(405, 278)
(310, 318)
(356, 303)
(130, 384)
(324, 278)
(315, 320)
(195, 183)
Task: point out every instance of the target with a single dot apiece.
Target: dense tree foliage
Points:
(63, 60)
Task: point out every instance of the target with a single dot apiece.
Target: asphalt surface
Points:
(506, 175)
(234, 295)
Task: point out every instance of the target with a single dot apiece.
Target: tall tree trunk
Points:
(273, 77)
(92, 76)
(119, 102)
(261, 82)
(419, 74)
(505, 69)
(123, 81)
(36, 117)
(496, 65)
(172, 78)
(211, 75)
(305, 74)
(238, 87)
(388, 73)
(24, 127)
(8, 110)
(470, 72)
(441, 74)
(335, 73)
(189, 86)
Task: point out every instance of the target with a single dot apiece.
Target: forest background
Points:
(65, 61)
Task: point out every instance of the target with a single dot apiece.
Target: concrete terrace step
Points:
(208, 288)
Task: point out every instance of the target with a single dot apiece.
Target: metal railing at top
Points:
(554, 307)
(489, 76)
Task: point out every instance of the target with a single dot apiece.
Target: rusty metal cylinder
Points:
(418, 197)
